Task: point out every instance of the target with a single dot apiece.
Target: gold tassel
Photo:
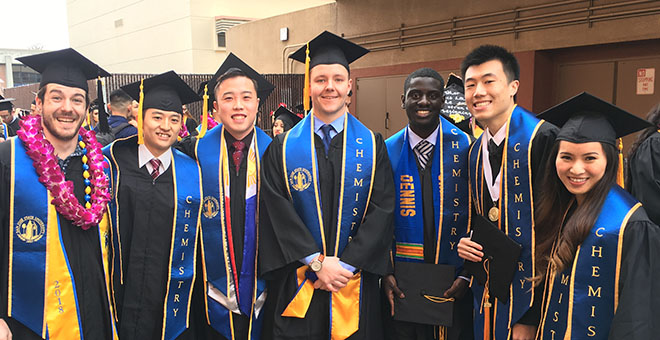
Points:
(485, 303)
(619, 176)
(205, 113)
(139, 115)
(306, 93)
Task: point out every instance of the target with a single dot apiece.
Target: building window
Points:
(24, 75)
(222, 42)
(222, 25)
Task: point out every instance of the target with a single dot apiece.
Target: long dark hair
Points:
(654, 117)
(554, 201)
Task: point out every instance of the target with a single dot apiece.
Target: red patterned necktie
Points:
(155, 163)
(237, 155)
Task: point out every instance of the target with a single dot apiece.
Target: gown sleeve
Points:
(638, 312)
(644, 175)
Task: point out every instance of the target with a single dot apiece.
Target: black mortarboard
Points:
(65, 67)
(502, 254)
(456, 82)
(586, 118)
(327, 48)
(424, 285)
(6, 104)
(166, 91)
(289, 118)
(264, 87)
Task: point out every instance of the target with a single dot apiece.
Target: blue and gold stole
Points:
(41, 287)
(186, 177)
(239, 286)
(450, 195)
(516, 207)
(581, 300)
(301, 171)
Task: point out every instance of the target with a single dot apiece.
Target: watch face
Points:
(315, 265)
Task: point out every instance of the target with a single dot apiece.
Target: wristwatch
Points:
(317, 263)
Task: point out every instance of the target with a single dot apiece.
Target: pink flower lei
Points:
(211, 123)
(50, 174)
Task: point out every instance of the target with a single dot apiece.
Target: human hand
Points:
(391, 289)
(523, 332)
(470, 250)
(332, 277)
(5, 333)
(457, 289)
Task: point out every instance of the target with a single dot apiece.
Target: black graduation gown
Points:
(13, 127)
(541, 146)
(284, 240)
(146, 210)
(638, 314)
(462, 318)
(84, 255)
(644, 175)
(237, 211)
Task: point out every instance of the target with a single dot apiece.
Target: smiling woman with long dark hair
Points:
(595, 245)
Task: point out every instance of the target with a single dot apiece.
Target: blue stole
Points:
(301, 171)
(29, 212)
(215, 250)
(582, 300)
(5, 133)
(187, 192)
(450, 200)
(516, 206)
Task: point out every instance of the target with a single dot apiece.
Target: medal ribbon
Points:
(516, 214)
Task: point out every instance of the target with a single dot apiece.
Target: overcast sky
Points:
(29, 23)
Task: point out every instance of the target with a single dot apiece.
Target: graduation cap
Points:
(424, 285)
(501, 253)
(289, 118)
(587, 118)
(326, 49)
(455, 82)
(166, 91)
(264, 87)
(65, 67)
(6, 104)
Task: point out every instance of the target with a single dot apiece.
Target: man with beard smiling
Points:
(327, 186)
(429, 156)
(155, 215)
(54, 243)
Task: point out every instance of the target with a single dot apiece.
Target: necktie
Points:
(237, 155)
(326, 128)
(423, 150)
(155, 164)
(495, 157)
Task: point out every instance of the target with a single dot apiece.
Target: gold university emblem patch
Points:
(210, 207)
(30, 229)
(300, 179)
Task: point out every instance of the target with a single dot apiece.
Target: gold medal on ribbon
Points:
(494, 214)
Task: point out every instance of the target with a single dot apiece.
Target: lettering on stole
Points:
(593, 291)
(184, 250)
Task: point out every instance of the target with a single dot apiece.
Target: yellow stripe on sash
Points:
(104, 236)
(345, 305)
(346, 309)
(297, 308)
(60, 310)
